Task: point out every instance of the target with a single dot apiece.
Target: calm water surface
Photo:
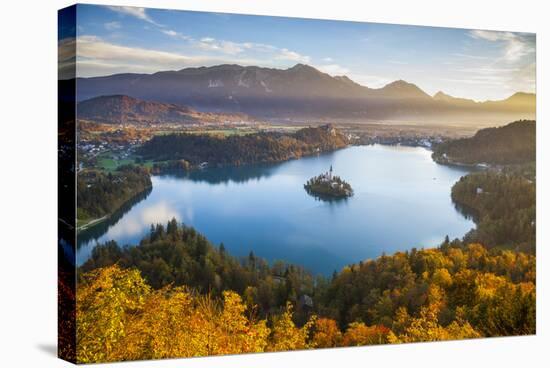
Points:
(402, 200)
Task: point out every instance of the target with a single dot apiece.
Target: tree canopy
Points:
(514, 143)
(243, 149)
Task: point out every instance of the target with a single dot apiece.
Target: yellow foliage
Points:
(104, 302)
(457, 257)
(442, 278)
(285, 334)
(120, 318)
(234, 332)
(488, 283)
(327, 334)
(476, 252)
(427, 328)
(169, 326)
(359, 334)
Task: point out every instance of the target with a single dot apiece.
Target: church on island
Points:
(328, 175)
(328, 185)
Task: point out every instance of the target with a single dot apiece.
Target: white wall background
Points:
(28, 73)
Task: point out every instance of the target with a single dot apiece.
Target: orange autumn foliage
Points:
(326, 334)
(359, 334)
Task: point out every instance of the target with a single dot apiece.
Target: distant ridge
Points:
(122, 109)
(300, 92)
(522, 98)
(441, 96)
(402, 89)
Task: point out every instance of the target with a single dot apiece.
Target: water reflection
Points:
(225, 175)
(96, 231)
(401, 200)
(133, 225)
(327, 198)
(467, 211)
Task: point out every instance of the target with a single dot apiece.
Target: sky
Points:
(477, 64)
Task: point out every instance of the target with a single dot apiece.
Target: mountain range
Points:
(299, 93)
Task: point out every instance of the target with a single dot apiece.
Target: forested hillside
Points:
(514, 143)
(99, 193)
(122, 109)
(458, 290)
(503, 205)
(240, 150)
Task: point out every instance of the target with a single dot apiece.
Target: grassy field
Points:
(105, 161)
(228, 132)
(224, 131)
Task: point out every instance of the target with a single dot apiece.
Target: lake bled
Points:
(401, 200)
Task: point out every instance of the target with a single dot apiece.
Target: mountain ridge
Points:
(123, 109)
(301, 91)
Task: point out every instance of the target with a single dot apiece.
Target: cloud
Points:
(500, 63)
(158, 213)
(286, 54)
(66, 56)
(134, 224)
(136, 12)
(515, 45)
(372, 81)
(468, 56)
(333, 69)
(488, 70)
(97, 57)
(498, 76)
(209, 43)
(226, 47)
(328, 60)
(482, 81)
(523, 79)
(169, 32)
(92, 47)
(174, 34)
(234, 48)
(66, 49)
(111, 26)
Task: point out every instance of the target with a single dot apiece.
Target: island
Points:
(328, 186)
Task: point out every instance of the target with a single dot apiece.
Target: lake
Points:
(402, 200)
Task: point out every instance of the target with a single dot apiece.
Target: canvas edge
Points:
(66, 249)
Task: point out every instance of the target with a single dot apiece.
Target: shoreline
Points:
(194, 167)
(448, 162)
(92, 223)
(98, 221)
